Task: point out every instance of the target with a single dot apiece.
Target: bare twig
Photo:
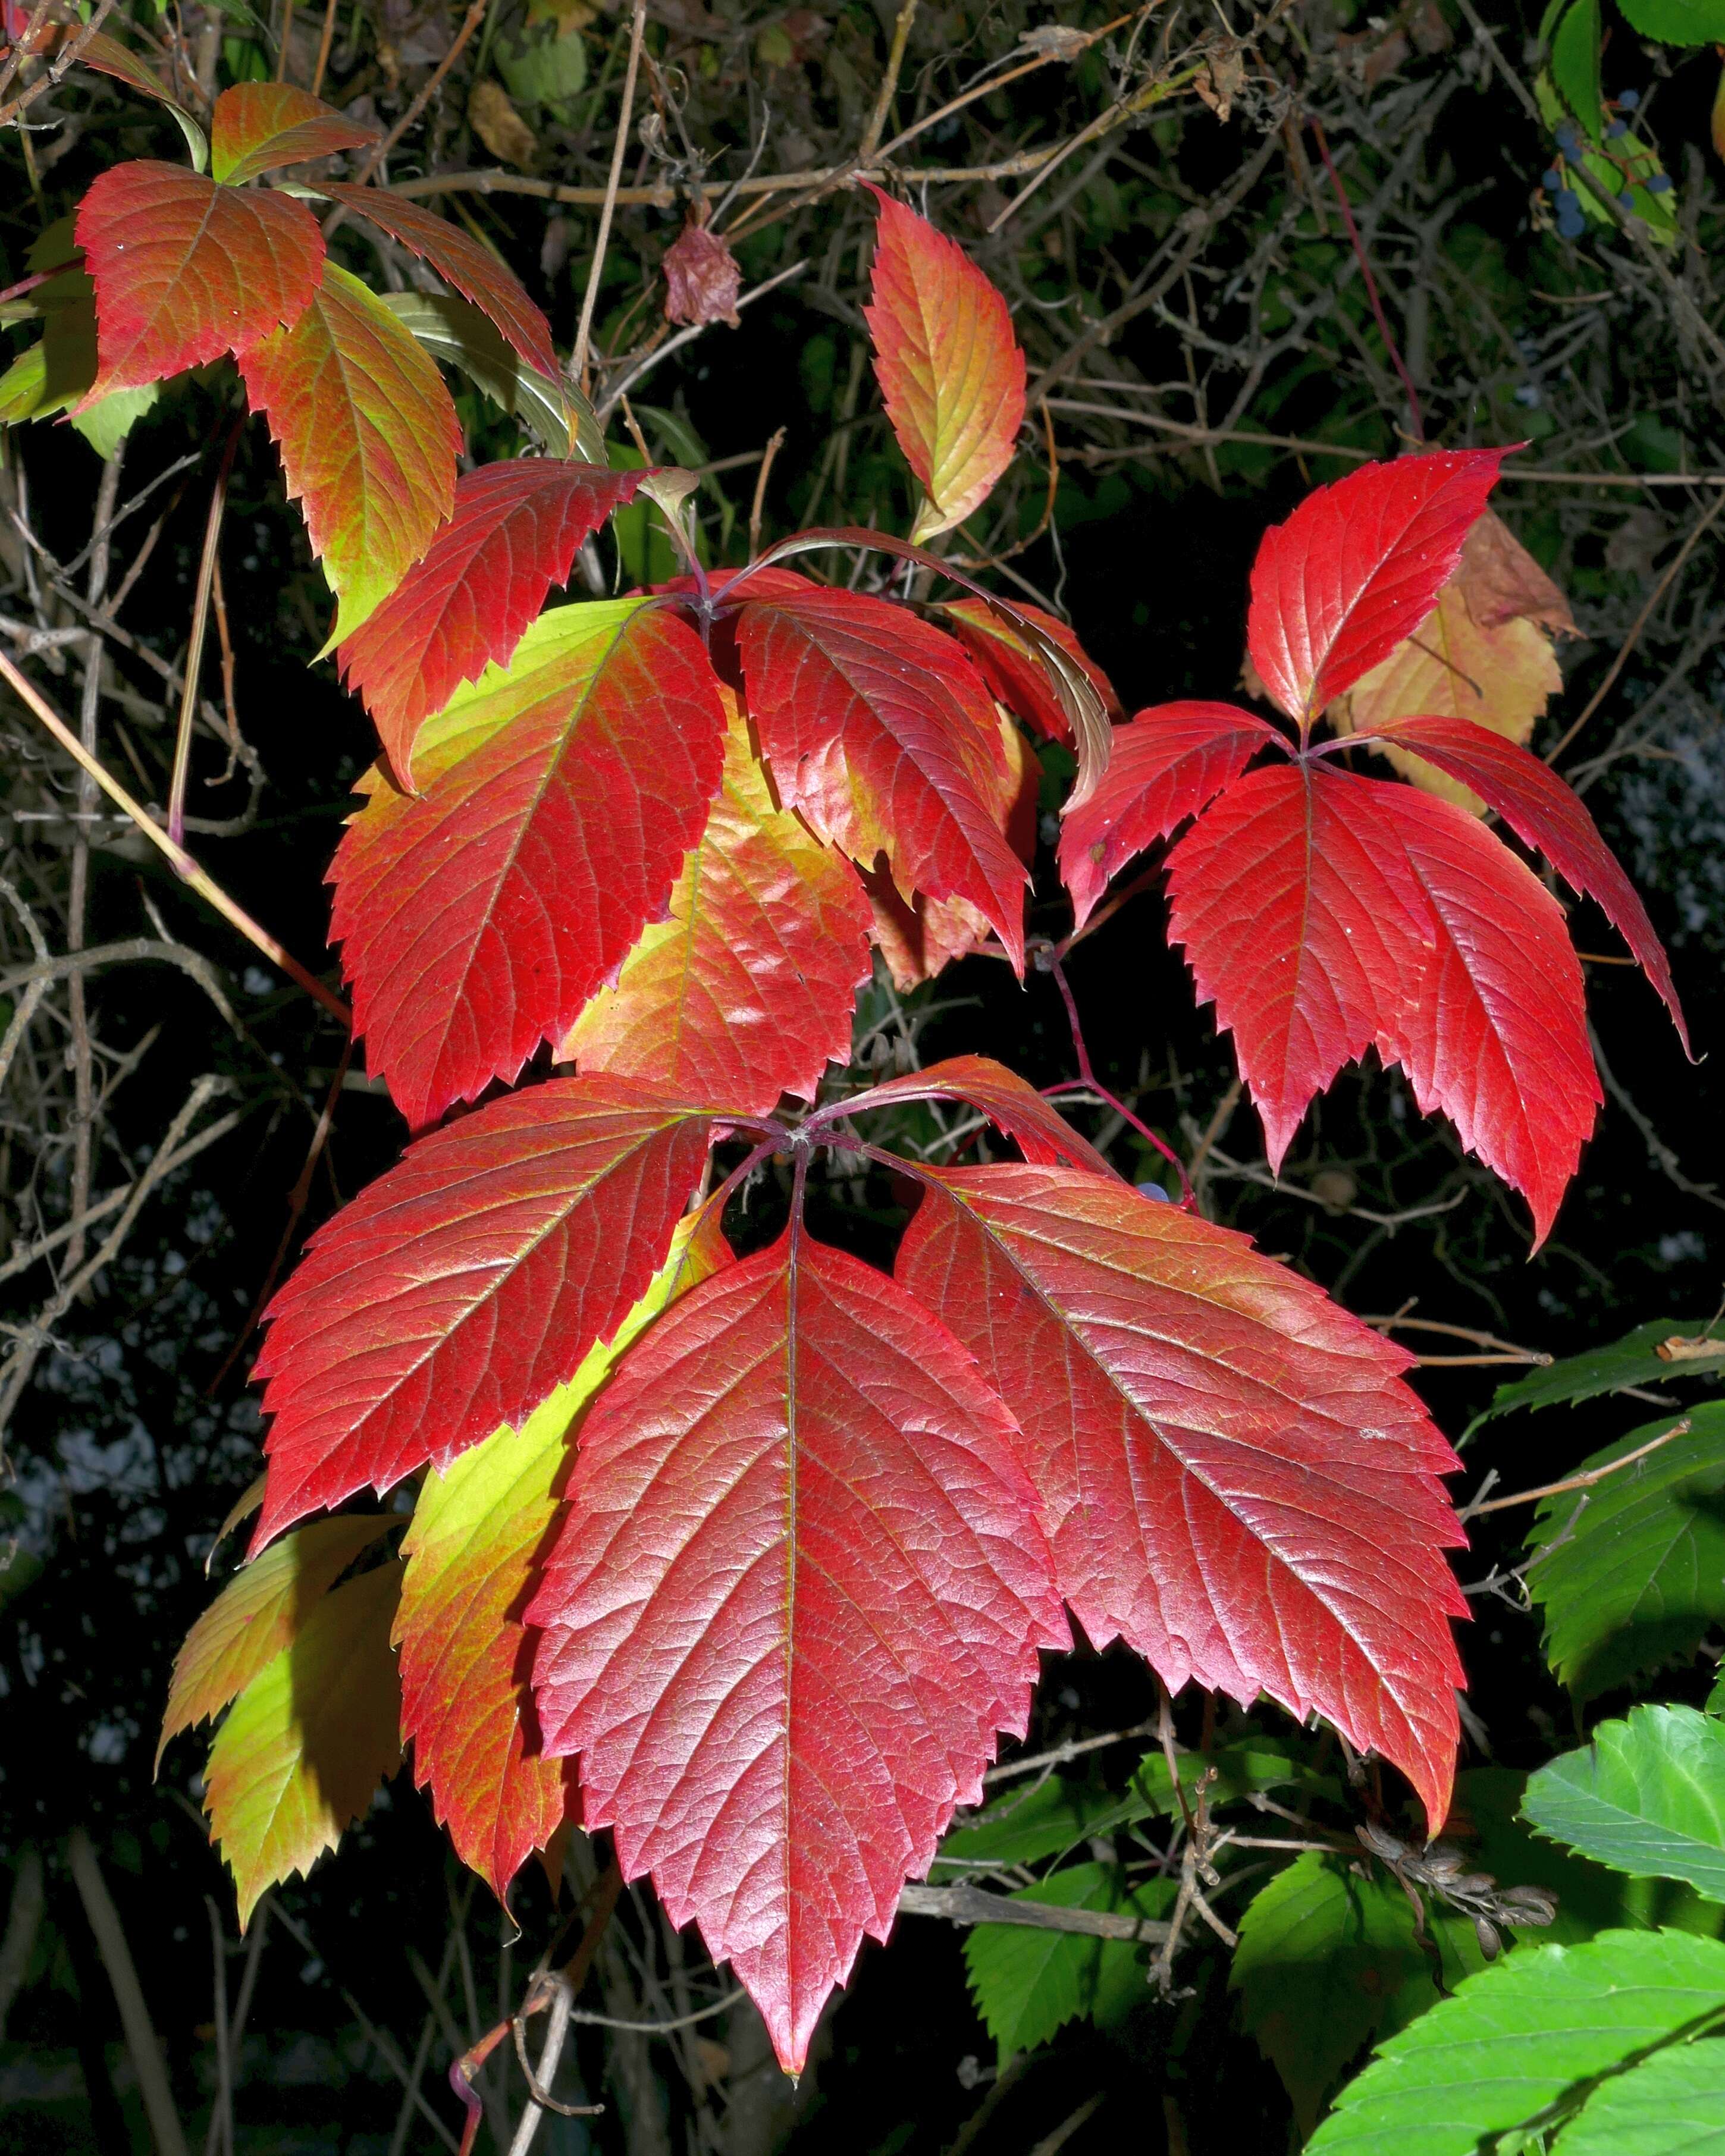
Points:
(589, 298)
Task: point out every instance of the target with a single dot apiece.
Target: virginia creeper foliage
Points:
(751, 1559)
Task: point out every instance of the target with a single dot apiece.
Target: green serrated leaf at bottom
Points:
(1029, 1983)
(1672, 2104)
(462, 337)
(1521, 2039)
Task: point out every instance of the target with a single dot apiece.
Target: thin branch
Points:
(589, 298)
(1585, 1481)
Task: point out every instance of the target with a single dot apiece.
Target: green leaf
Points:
(105, 424)
(1647, 1796)
(1638, 1575)
(543, 68)
(1029, 1984)
(461, 336)
(1029, 1825)
(1672, 2104)
(1716, 1697)
(1521, 2036)
(309, 1739)
(1326, 1959)
(1591, 1898)
(1573, 34)
(1633, 1360)
(1677, 22)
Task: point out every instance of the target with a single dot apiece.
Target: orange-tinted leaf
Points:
(879, 732)
(258, 1614)
(184, 270)
(1167, 765)
(948, 365)
(799, 1588)
(1232, 1476)
(308, 1741)
(1042, 1134)
(261, 125)
(560, 798)
(368, 433)
(474, 1548)
(1015, 676)
(460, 1290)
(1357, 567)
(1481, 655)
(745, 990)
(514, 534)
(462, 262)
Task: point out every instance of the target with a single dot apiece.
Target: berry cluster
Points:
(1571, 150)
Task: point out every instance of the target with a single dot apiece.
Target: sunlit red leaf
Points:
(948, 362)
(463, 262)
(1234, 1477)
(184, 270)
(1547, 814)
(1042, 1135)
(458, 1291)
(258, 1614)
(1015, 676)
(1357, 567)
(560, 798)
(261, 125)
(745, 990)
(1299, 927)
(514, 534)
(301, 1754)
(474, 1549)
(879, 731)
(1167, 765)
(368, 433)
(799, 1589)
(1493, 1031)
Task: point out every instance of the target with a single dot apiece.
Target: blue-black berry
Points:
(1566, 141)
(1629, 100)
(1616, 131)
(1660, 184)
(1551, 181)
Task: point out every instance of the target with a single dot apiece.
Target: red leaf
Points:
(514, 534)
(1234, 1477)
(368, 433)
(1493, 1030)
(259, 125)
(1016, 677)
(184, 270)
(560, 799)
(881, 734)
(948, 362)
(472, 270)
(1166, 766)
(799, 1589)
(475, 1549)
(745, 990)
(1042, 1133)
(1299, 927)
(1546, 813)
(1357, 567)
(457, 1290)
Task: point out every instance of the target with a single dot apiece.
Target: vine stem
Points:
(1047, 959)
(1346, 207)
(200, 631)
(589, 298)
(184, 865)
